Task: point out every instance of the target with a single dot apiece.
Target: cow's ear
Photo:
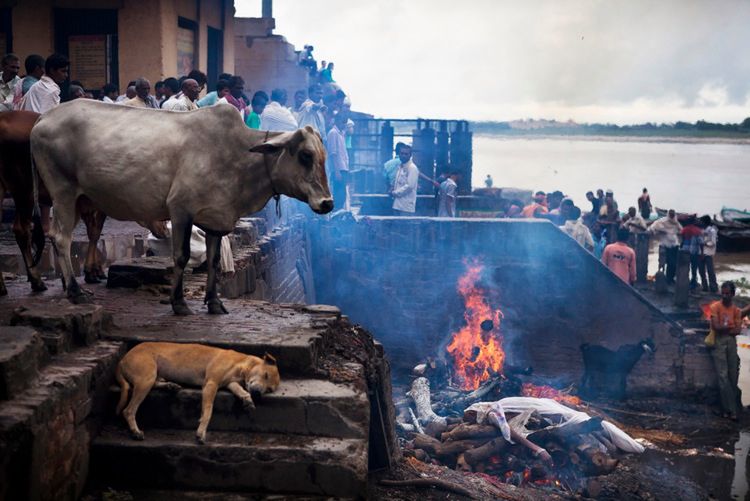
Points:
(296, 140)
(265, 148)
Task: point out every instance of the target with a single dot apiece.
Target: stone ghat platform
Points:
(329, 423)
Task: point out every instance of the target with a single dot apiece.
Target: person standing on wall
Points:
(710, 237)
(404, 190)
(667, 230)
(338, 159)
(726, 324)
(447, 196)
(644, 205)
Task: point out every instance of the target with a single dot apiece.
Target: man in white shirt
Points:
(667, 231)
(338, 162)
(9, 79)
(45, 94)
(186, 99)
(710, 238)
(109, 93)
(276, 116)
(574, 227)
(312, 111)
(447, 196)
(404, 191)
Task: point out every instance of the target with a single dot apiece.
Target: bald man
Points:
(185, 101)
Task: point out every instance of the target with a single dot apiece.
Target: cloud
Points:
(489, 58)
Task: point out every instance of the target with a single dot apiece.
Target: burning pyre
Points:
(476, 371)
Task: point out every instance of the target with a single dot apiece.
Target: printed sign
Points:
(88, 60)
(185, 51)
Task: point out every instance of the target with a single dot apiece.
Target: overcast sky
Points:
(591, 61)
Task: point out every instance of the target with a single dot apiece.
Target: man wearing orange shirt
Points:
(620, 258)
(537, 208)
(726, 323)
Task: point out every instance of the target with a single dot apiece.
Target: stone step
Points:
(22, 353)
(295, 353)
(138, 271)
(264, 463)
(192, 495)
(63, 325)
(299, 406)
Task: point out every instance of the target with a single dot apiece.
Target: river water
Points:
(689, 177)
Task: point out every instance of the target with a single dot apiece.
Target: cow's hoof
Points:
(201, 439)
(181, 309)
(38, 285)
(136, 435)
(216, 307)
(100, 274)
(91, 277)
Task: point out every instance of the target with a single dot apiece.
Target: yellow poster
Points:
(185, 51)
(88, 60)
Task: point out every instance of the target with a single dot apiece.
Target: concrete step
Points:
(22, 353)
(296, 352)
(63, 325)
(265, 463)
(299, 406)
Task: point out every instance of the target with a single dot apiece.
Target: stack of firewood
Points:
(560, 456)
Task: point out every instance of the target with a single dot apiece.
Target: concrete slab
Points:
(138, 271)
(231, 462)
(299, 406)
(21, 354)
(63, 324)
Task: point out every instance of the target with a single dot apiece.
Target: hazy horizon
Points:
(590, 61)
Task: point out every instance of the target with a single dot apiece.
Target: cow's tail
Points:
(37, 234)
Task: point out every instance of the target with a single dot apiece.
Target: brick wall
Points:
(397, 277)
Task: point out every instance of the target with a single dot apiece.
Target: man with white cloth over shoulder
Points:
(276, 116)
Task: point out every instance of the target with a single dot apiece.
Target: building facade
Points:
(120, 40)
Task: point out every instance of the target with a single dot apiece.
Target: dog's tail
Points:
(124, 390)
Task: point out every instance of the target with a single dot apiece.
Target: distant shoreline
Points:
(620, 139)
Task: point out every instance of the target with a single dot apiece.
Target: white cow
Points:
(203, 167)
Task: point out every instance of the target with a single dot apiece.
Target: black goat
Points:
(606, 371)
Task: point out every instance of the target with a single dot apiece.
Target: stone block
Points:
(21, 354)
(64, 324)
(135, 272)
(269, 463)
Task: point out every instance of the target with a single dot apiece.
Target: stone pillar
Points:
(267, 11)
(423, 142)
(682, 279)
(461, 151)
(441, 152)
(641, 257)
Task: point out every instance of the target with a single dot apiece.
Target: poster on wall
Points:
(185, 51)
(88, 60)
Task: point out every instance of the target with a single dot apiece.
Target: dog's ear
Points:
(269, 359)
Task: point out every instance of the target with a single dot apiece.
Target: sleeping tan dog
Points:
(195, 365)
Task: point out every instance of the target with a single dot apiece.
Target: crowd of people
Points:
(324, 106)
(606, 233)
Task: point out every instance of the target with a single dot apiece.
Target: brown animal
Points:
(15, 177)
(195, 365)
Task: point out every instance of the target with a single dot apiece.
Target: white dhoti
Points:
(163, 247)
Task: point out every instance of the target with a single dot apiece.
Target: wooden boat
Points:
(682, 217)
(733, 236)
(736, 215)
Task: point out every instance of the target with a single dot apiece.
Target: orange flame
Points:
(478, 354)
(532, 390)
